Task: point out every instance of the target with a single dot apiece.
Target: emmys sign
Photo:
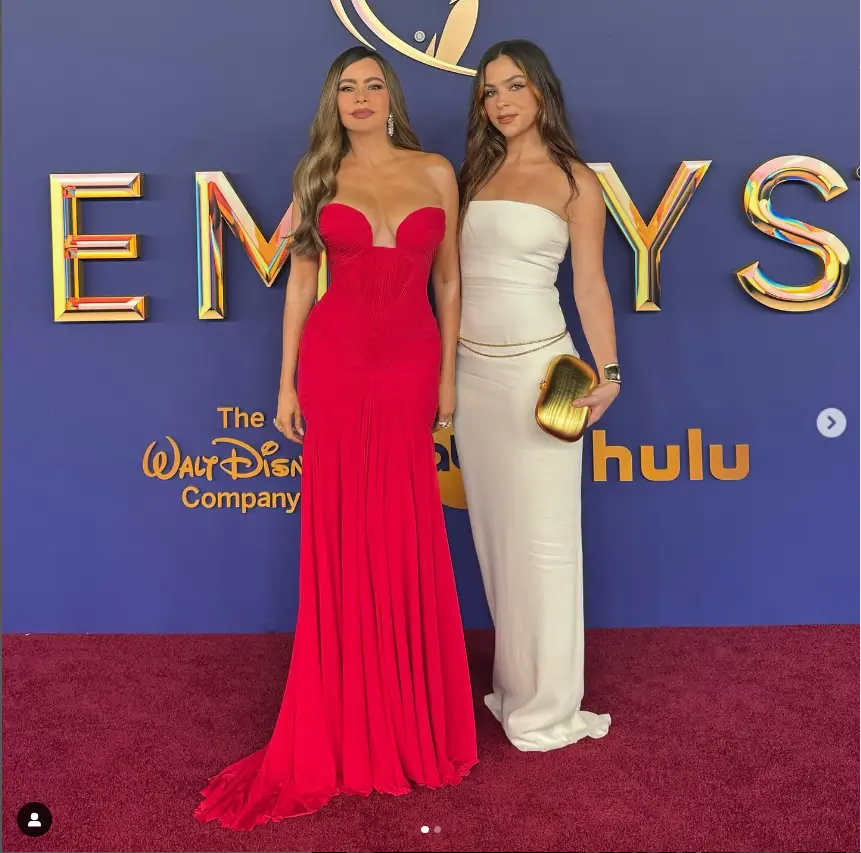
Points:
(218, 204)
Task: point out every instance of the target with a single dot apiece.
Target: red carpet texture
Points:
(722, 739)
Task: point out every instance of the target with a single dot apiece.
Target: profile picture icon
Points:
(34, 819)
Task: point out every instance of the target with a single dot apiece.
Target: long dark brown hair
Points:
(485, 145)
(315, 179)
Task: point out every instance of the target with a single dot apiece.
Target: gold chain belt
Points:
(544, 342)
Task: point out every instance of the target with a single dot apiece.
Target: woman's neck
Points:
(525, 146)
(371, 149)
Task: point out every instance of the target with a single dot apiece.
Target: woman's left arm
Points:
(446, 286)
(591, 294)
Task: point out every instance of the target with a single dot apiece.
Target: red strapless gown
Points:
(378, 694)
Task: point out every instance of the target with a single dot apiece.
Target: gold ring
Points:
(278, 425)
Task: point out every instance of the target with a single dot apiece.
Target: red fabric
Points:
(378, 694)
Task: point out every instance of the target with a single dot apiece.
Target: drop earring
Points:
(390, 124)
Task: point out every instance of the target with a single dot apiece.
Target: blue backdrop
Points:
(168, 88)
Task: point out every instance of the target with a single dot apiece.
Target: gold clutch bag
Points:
(567, 379)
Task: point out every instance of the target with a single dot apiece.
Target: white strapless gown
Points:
(522, 486)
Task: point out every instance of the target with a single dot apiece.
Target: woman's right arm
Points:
(298, 302)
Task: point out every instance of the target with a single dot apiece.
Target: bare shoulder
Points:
(437, 167)
(438, 172)
(550, 186)
(588, 185)
(587, 205)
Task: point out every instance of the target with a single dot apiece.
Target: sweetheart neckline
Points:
(371, 227)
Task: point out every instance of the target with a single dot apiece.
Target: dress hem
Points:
(594, 726)
(319, 800)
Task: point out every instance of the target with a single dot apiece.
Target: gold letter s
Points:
(828, 248)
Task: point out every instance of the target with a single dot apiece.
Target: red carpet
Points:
(722, 739)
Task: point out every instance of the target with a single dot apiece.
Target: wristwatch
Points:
(612, 373)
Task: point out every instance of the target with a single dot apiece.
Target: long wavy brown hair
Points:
(315, 181)
(485, 145)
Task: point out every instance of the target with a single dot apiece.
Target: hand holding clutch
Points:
(561, 410)
(598, 401)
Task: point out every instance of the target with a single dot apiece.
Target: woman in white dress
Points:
(525, 195)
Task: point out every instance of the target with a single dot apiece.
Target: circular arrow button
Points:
(831, 423)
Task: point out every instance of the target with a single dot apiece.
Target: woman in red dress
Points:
(378, 695)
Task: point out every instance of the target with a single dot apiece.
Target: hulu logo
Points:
(719, 467)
